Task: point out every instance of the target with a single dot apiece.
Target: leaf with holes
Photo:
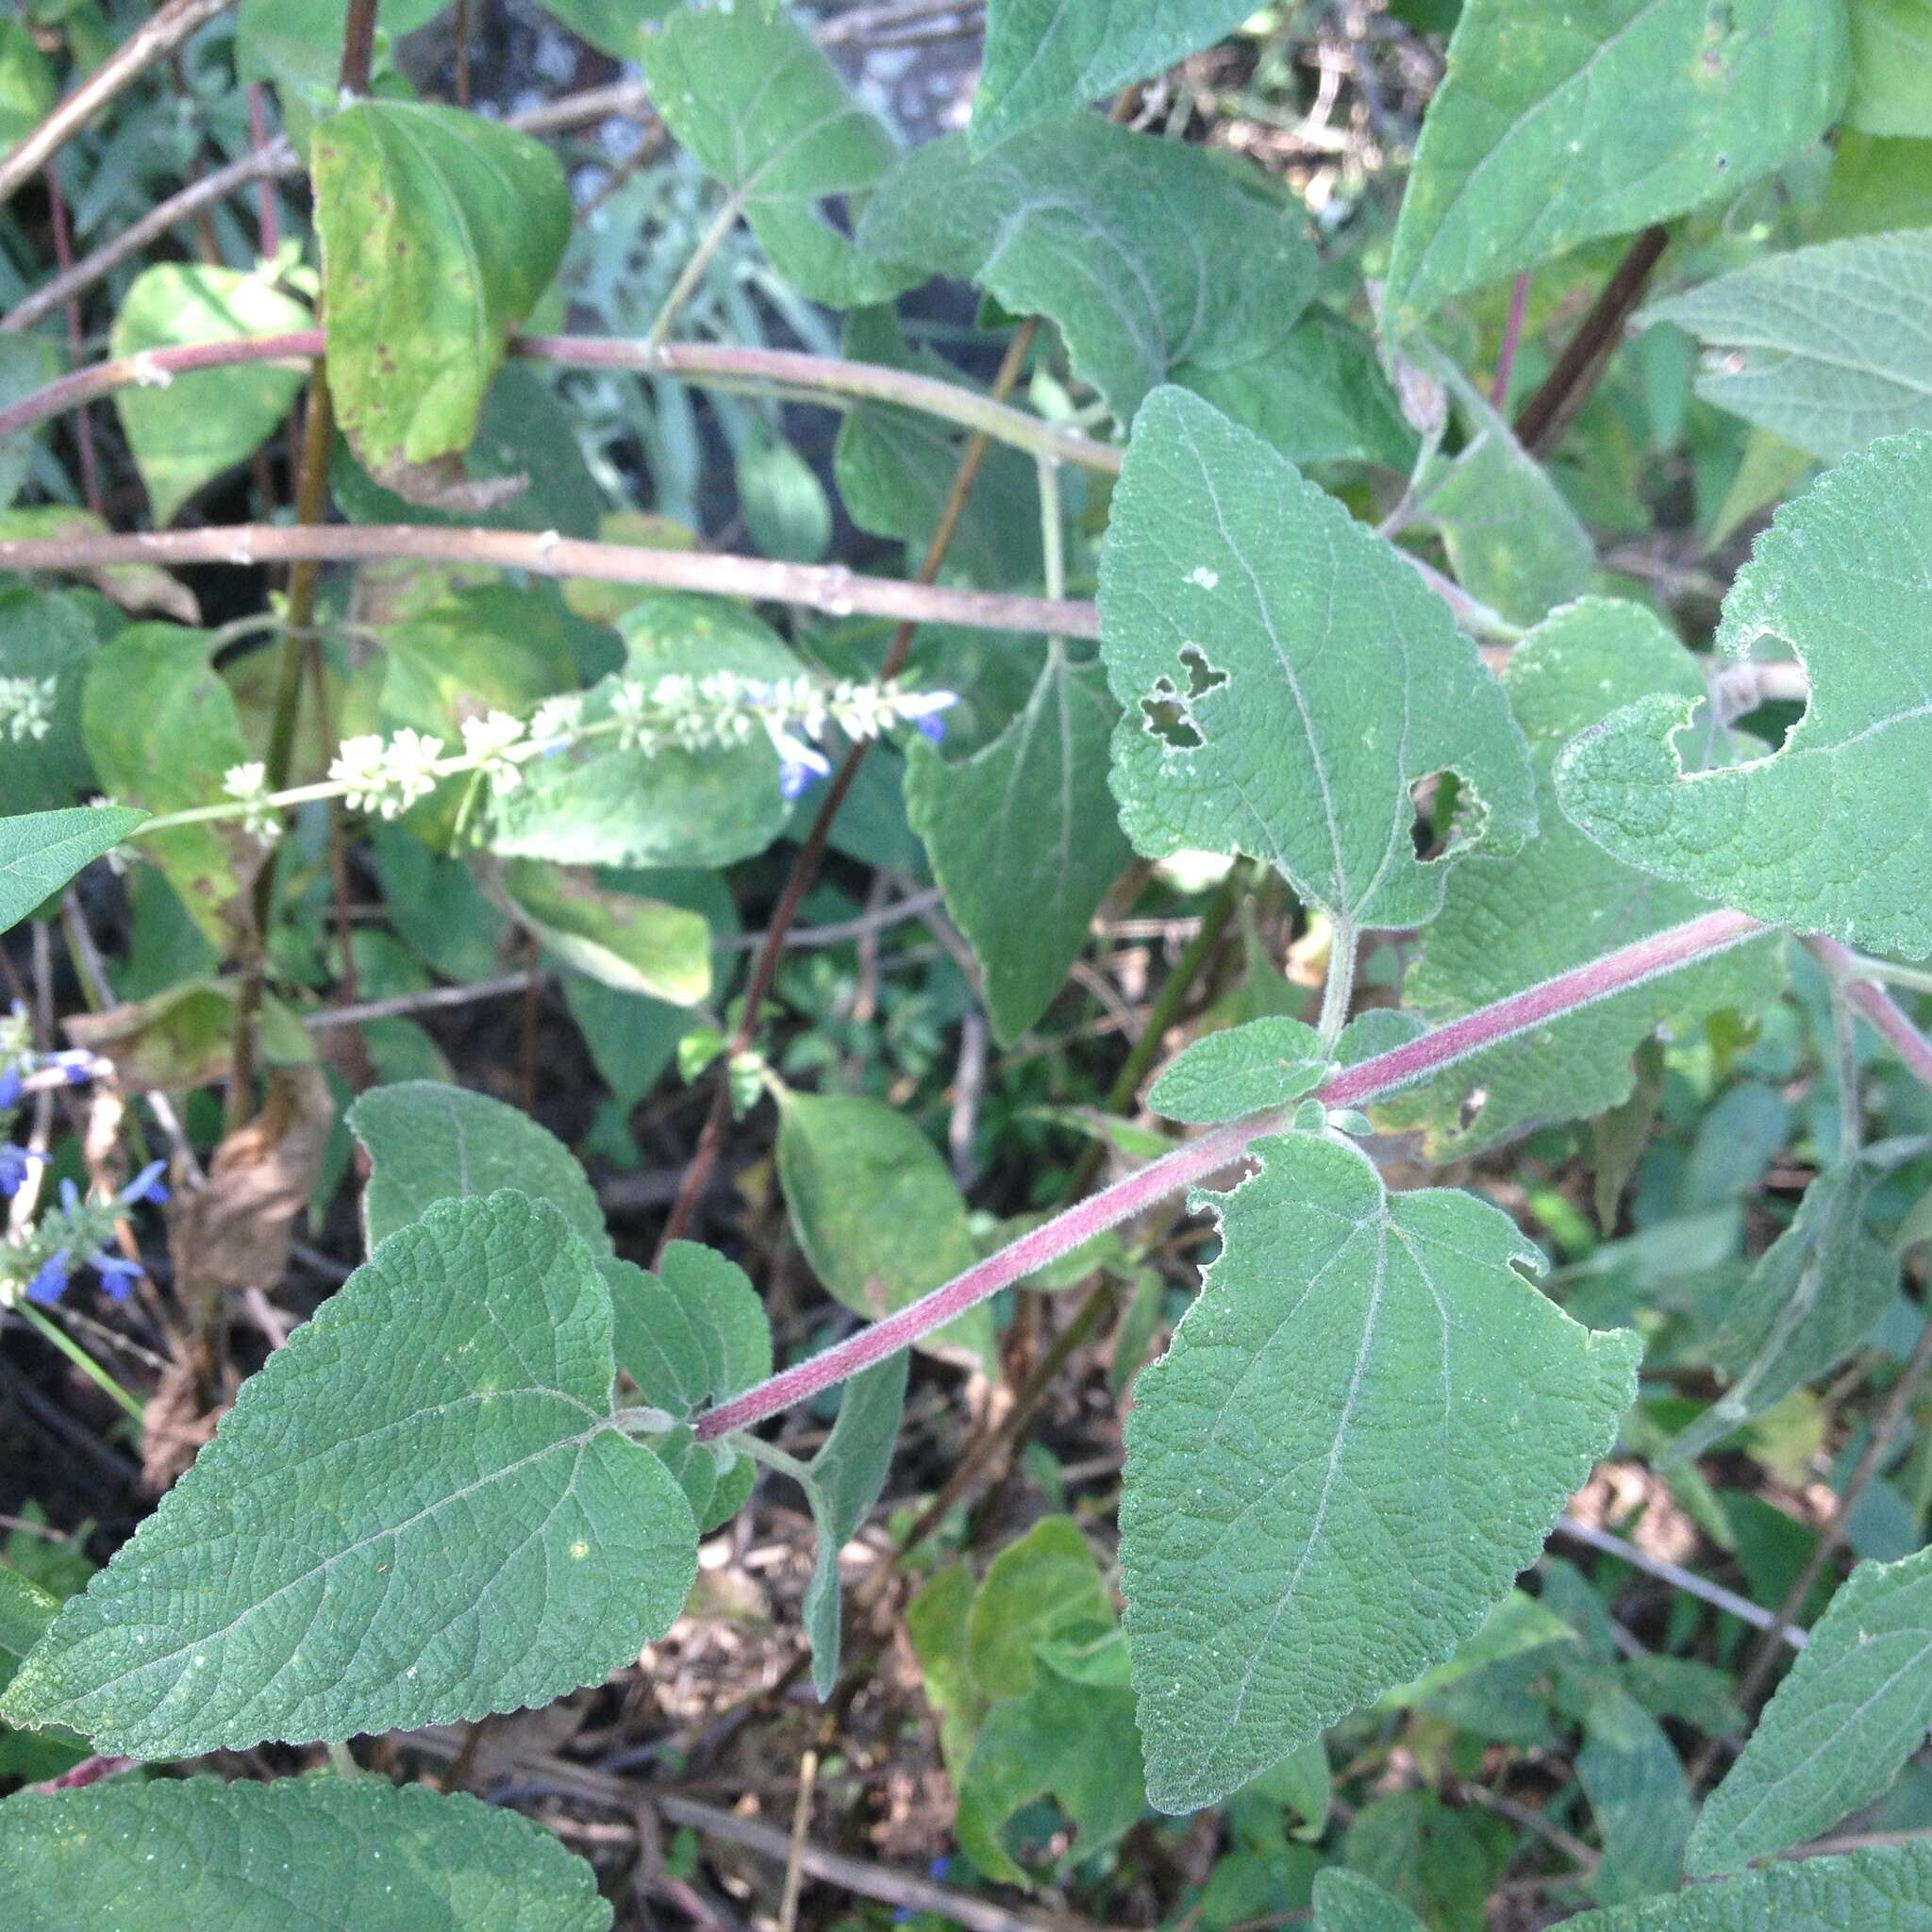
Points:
(42, 850)
(1023, 838)
(439, 231)
(1826, 347)
(1510, 923)
(1045, 224)
(1840, 1726)
(1364, 1430)
(1287, 678)
(1829, 833)
(427, 1142)
(760, 107)
(306, 1855)
(420, 1509)
(1563, 124)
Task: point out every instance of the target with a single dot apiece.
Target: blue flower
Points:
(50, 1280)
(921, 709)
(147, 1185)
(117, 1276)
(10, 1083)
(14, 1162)
(799, 766)
(70, 1197)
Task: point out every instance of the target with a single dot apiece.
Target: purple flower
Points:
(9, 1086)
(921, 709)
(147, 1185)
(799, 766)
(117, 1276)
(14, 1162)
(50, 1280)
(70, 1197)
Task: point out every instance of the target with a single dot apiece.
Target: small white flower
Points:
(248, 784)
(27, 706)
(410, 764)
(488, 742)
(557, 720)
(630, 706)
(359, 767)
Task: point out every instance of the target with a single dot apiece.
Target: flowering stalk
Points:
(1352, 1087)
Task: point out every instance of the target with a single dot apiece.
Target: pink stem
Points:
(1521, 1012)
(1887, 1018)
(259, 139)
(1512, 336)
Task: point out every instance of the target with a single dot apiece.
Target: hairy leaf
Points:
(1814, 1296)
(1510, 923)
(163, 731)
(184, 431)
(428, 1141)
(1023, 838)
(760, 104)
(1879, 1890)
(1853, 1708)
(303, 1855)
(439, 231)
(1241, 1070)
(26, 1610)
(1347, 1902)
(1287, 678)
(879, 1216)
(42, 850)
(418, 1510)
(1829, 832)
(1363, 1430)
(1892, 59)
(1045, 55)
(1826, 347)
(1045, 224)
(1631, 1774)
(1560, 124)
(636, 944)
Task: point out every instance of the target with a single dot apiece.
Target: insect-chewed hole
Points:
(1202, 676)
(1434, 800)
(1163, 715)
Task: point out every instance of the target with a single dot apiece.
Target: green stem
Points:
(692, 272)
(53, 1332)
(1343, 948)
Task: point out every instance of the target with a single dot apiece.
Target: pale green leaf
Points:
(1827, 347)
(1241, 1070)
(427, 1142)
(439, 231)
(1518, 1626)
(1363, 1430)
(1044, 56)
(42, 850)
(26, 1610)
(1045, 224)
(636, 944)
(1347, 1902)
(1814, 1296)
(27, 85)
(612, 27)
(935, 1624)
(1879, 1890)
(785, 506)
(163, 731)
(842, 1481)
(1830, 832)
(1510, 923)
(46, 639)
(1892, 68)
(880, 1219)
(1853, 1708)
(302, 1855)
(1043, 1587)
(1634, 1779)
(184, 431)
(417, 1510)
(1560, 124)
(1024, 840)
(1287, 678)
(598, 805)
(27, 364)
(759, 104)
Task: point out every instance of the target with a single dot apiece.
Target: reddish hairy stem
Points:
(1369, 1080)
(1887, 1018)
(1512, 339)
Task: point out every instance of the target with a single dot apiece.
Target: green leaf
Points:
(691, 1335)
(600, 806)
(1826, 347)
(1853, 1708)
(1241, 1070)
(1892, 59)
(26, 363)
(1814, 1296)
(27, 85)
(429, 1142)
(1045, 224)
(1023, 838)
(1287, 678)
(163, 731)
(1844, 579)
(1549, 131)
(1347, 1902)
(184, 1036)
(1045, 55)
(1510, 923)
(762, 107)
(638, 945)
(1634, 1779)
(935, 1624)
(786, 509)
(612, 27)
(418, 1510)
(1382, 1417)
(47, 640)
(439, 231)
(42, 850)
(842, 1481)
(1878, 1890)
(302, 1855)
(26, 1610)
(185, 430)
(880, 1219)
(1043, 1588)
